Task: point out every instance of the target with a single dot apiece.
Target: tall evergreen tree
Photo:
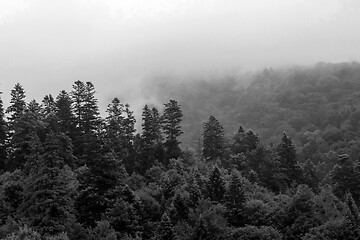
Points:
(48, 112)
(115, 127)
(87, 120)
(64, 114)
(171, 126)
(244, 142)
(25, 142)
(147, 155)
(216, 185)
(17, 103)
(91, 113)
(165, 231)
(289, 167)
(85, 106)
(214, 143)
(345, 177)
(3, 137)
(129, 154)
(234, 201)
(49, 189)
(98, 184)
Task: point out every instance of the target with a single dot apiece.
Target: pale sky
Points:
(46, 45)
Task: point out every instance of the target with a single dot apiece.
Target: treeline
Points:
(67, 173)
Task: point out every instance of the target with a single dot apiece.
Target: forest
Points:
(270, 155)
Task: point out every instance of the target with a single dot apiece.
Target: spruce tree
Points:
(98, 184)
(214, 143)
(64, 114)
(345, 177)
(289, 166)
(17, 104)
(91, 115)
(171, 126)
(147, 155)
(3, 137)
(87, 120)
(216, 185)
(234, 201)
(165, 231)
(49, 188)
(129, 154)
(115, 127)
(310, 176)
(25, 143)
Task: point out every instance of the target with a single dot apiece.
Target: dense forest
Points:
(276, 157)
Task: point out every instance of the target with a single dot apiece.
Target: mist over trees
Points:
(277, 158)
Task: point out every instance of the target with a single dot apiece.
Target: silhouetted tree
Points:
(214, 143)
(171, 126)
(289, 166)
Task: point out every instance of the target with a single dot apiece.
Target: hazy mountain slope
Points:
(307, 102)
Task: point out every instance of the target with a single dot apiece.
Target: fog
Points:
(46, 45)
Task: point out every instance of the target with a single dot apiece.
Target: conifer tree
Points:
(3, 137)
(87, 119)
(115, 127)
(147, 155)
(98, 184)
(234, 200)
(49, 189)
(345, 176)
(245, 142)
(25, 142)
(49, 106)
(252, 140)
(289, 166)
(171, 126)
(129, 154)
(48, 112)
(17, 103)
(64, 114)
(216, 185)
(310, 175)
(214, 143)
(91, 113)
(165, 231)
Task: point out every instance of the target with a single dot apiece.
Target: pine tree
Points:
(289, 166)
(171, 126)
(87, 120)
(91, 113)
(234, 200)
(345, 176)
(310, 175)
(115, 127)
(244, 142)
(64, 114)
(165, 231)
(123, 215)
(216, 185)
(147, 155)
(251, 140)
(129, 155)
(17, 103)
(25, 143)
(48, 112)
(98, 184)
(3, 137)
(214, 143)
(48, 202)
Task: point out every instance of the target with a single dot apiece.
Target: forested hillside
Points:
(275, 158)
(318, 107)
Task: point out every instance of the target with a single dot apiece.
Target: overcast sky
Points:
(46, 45)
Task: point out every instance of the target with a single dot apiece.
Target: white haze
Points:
(46, 45)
